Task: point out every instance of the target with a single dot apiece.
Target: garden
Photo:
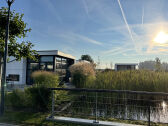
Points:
(34, 102)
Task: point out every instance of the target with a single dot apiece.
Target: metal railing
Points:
(109, 104)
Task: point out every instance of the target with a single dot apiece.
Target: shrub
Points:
(45, 79)
(36, 97)
(32, 98)
(82, 73)
(16, 99)
(39, 98)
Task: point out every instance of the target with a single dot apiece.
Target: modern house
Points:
(19, 72)
(126, 66)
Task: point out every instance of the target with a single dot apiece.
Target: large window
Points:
(46, 63)
(33, 66)
(58, 64)
(46, 59)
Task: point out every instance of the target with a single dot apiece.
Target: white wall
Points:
(17, 67)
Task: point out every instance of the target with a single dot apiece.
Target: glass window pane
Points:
(42, 66)
(49, 66)
(46, 58)
(58, 59)
(64, 66)
(58, 66)
(33, 66)
(64, 60)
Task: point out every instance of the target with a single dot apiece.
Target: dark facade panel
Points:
(125, 67)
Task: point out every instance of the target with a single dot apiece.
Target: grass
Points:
(30, 119)
(138, 80)
(38, 119)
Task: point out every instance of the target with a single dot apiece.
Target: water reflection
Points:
(164, 105)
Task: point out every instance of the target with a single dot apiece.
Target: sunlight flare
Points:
(161, 38)
(164, 105)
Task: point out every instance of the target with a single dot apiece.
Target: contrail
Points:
(142, 15)
(85, 7)
(125, 20)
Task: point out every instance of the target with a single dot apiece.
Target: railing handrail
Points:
(112, 91)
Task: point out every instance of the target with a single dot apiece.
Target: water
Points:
(130, 111)
(128, 107)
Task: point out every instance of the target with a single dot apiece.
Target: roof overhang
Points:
(126, 64)
(55, 53)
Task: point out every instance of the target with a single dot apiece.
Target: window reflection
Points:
(42, 66)
(46, 63)
(46, 58)
(33, 66)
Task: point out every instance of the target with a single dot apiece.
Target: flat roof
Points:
(126, 64)
(55, 52)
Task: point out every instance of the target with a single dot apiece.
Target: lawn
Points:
(30, 119)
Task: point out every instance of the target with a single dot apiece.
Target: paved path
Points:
(89, 122)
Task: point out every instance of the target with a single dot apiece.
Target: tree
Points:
(158, 64)
(18, 29)
(87, 58)
(17, 26)
(111, 65)
(155, 65)
(148, 65)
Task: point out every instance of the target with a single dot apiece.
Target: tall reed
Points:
(138, 80)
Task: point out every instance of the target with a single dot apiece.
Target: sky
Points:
(116, 31)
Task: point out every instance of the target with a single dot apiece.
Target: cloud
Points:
(50, 6)
(74, 37)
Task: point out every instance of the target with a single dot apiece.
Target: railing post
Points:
(96, 121)
(53, 104)
(149, 115)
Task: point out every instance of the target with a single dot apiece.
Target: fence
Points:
(109, 104)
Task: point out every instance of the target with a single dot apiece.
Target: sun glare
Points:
(161, 38)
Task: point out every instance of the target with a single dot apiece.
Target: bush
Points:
(82, 73)
(33, 98)
(39, 98)
(45, 79)
(39, 95)
(36, 97)
(16, 99)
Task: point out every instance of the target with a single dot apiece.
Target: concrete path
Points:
(88, 122)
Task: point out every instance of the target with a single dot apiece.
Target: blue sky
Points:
(118, 31)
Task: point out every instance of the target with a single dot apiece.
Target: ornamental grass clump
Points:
(45, 79)
(83, 74)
